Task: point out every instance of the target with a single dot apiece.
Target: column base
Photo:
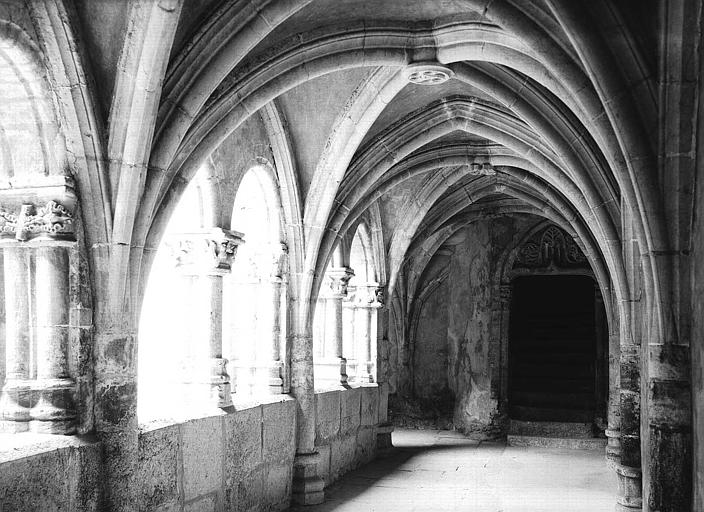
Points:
(344, 378)
(630, 492)
(613, 447)
(54, 412)
(15, 403)
(331, 373)
(308, 487)
(219, 389)
(276, 381)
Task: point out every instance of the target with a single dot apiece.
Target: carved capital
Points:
(279, 263)
(337, 280)
(207, 251)
(29, 221)
(380, 295)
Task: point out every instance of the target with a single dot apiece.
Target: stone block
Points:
(277, 487)
(172, 506)
(366, 446)
(243, 442)
(251, 490)
(343, 454)
(158, 467)
(350, 403)
(202, 504)
(279, 442)
(370, 406)
(324, 463)
(48, 479)
(327, 409)
(202, 451)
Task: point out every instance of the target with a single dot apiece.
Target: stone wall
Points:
(455, 368)
(345, 433)
(236, 462)
(48, 473)
(239, 461)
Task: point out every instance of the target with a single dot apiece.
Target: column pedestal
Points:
(613, 447)
(308, 487)
(629, 489)
(383, 437)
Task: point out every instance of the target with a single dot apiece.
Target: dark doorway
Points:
(552, 349)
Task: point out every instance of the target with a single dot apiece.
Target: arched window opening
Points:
(329, 355)
(345, 319)
(46, 300)
(180, 329)
(360, 309)
(255, 292)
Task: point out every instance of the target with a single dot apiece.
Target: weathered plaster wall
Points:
(453, 375)
(469, 330)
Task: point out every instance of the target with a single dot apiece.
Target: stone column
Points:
(628, 469)
(278, 285)
(384, 428)
(613, 432)
(54, 411)
(367, 309)
(46, 233)
(15, 400)
(207, 255)
(334, 360)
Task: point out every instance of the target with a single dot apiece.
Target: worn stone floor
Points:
(433, 470)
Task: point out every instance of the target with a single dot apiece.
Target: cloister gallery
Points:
(244, 243)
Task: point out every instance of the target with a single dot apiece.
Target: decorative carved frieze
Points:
(211, 250)
(550, 247)
(52, 220)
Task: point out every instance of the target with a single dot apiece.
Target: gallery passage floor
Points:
(431, 470)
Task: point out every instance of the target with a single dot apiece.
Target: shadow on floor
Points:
(445, 471)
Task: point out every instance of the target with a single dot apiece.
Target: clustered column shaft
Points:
(54, 411)
(207, 256)
(278, 287)
(39, 390)
(338, 279)
(15, 403)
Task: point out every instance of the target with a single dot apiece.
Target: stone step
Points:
(568, 443)
(551, 429)
(526, 413)
(564, 400)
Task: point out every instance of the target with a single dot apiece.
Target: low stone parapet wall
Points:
(346, 422)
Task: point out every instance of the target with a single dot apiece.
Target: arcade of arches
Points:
(242, 241)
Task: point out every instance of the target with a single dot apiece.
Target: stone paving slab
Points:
(439, 471)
